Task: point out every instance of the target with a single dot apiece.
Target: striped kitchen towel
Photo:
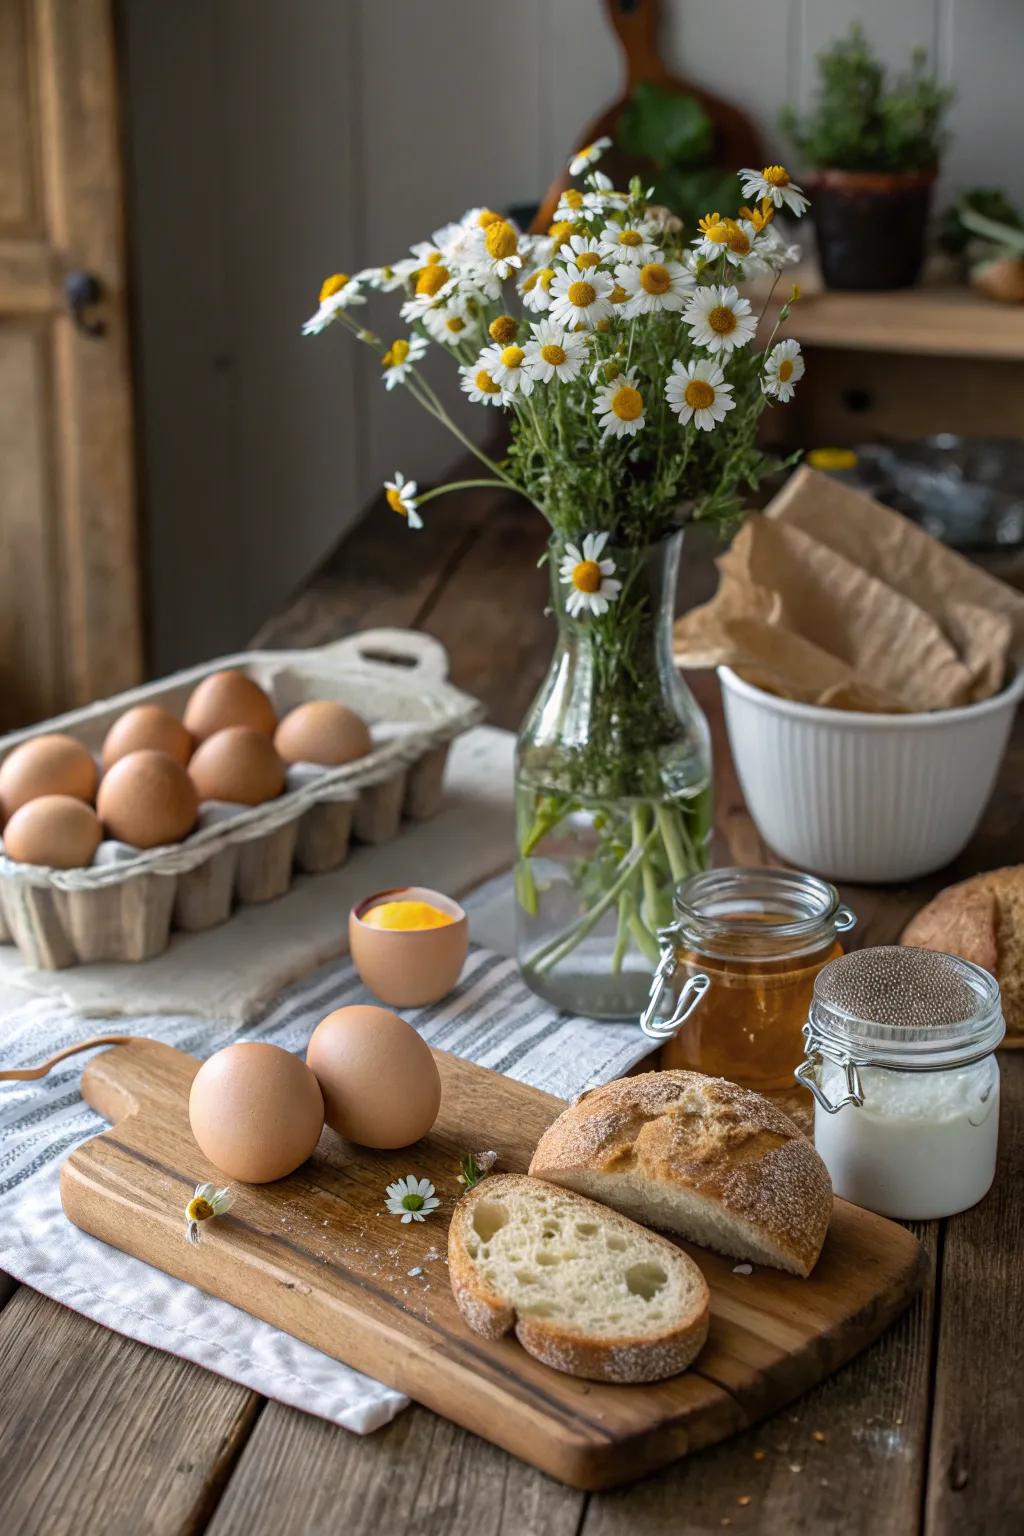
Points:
(491, 1018)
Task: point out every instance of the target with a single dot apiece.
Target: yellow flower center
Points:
(512, 357)
(586, 577)
(433, 257)
(552, 353)
(602, 325)
(627, 403)
(431, 278)
(561, 230)
(198, 1209)
(487, 217)
(581, 295)
(718, 233)
(618, 295)
(737, 240)
(455, 324)
(630, 237)
(332, 285)
(503, 329)
(832, 458)
(785, 370)
(655, 278)
(776, 175)
(572, 198)
(395, 502)
(501, 240)
(708, 222)
(485, 384)
(395, 355)
(699, 395)
(586, 259)
(722, 320)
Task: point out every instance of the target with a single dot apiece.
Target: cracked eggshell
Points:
(379, 1080)
(409, 967)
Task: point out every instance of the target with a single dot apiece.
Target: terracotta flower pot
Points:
(871, 226)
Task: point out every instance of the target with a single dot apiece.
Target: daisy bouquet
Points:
(623, 352)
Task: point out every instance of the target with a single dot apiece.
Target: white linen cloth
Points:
(491, 1018)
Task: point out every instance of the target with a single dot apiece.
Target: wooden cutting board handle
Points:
(636, 24)
(137, 1076)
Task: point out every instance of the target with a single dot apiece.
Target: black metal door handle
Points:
(82, 290)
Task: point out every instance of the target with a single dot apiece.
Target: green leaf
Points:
(666, 127)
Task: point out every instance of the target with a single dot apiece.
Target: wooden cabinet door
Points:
(69, 578)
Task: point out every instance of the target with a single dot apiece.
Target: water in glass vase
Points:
(613, 796)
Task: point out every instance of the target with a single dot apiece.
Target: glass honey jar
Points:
(739, 963)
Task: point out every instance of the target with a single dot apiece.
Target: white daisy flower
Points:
(480, 386)
(398, 360)
(411, 1198)
(630, 243)
(590, 154)
(784, 365)
(505, 366)
(590, 577)
(338, 291)
(733, 238)
(773, 183)
(449, 322)
(580, 297)
(383, 279)
(620, 407)
(435, 284)
(206, 1203)
(698, 393)
(656, 285)
(581, 251)
(555, 354)
(401, 498)
(535, 289)
(496, 249)
(719, 319)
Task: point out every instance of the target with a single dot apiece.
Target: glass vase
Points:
(613, 793)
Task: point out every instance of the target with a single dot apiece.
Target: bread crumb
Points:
(796, 1466)
(759, 1455)
(743, 1269)
(416, 1271)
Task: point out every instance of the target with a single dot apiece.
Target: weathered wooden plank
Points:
(100, 1434)
(299, 1475)
(865, 1475)
(976, 1480)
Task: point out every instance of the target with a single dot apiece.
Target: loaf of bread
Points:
(981, 919)
(698, 1156)
(586, 1291)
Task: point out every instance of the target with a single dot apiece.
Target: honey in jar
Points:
(740, 961)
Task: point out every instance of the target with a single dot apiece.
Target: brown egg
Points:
(55, 830)
(409, 967)
(147, 799)
(147, 725)
(228, 698)
(256, 1111)
(379, 1080)
(237, 764)
(46, 765)
(322, 731)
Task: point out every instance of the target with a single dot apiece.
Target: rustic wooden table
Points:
(921, 1432)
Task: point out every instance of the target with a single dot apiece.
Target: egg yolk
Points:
(406, 915)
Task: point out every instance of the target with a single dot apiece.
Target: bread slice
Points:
(981, 919)
(586, 1291)
(699, 1156)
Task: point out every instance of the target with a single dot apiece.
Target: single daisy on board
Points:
(411, 1198)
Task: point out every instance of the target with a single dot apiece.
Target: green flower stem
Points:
(459, 485)
(670, 829)
(648, 875)
(526, 889)
(566, 942)
(622, 934)
(644, 940)
(544, 822)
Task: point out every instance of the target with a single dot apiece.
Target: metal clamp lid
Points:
(690, 995)
(817, 1050)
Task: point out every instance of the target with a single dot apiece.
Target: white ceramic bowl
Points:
(858, 796)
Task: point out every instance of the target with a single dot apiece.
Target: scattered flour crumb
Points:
(416, 1271)
(743, 1269)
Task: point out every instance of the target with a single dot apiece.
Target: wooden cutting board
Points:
(317, 1255)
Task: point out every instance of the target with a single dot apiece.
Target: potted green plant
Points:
(874, 147)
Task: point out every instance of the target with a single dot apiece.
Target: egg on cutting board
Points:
(378, 1077)
(256, 1111)
(409, 945)
(228, 698)
(147, 725)
(53, 764)
(147, 800)
(239, 765)
(56, 831)
(322, 731)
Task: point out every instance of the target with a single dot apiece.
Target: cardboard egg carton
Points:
(125, 905)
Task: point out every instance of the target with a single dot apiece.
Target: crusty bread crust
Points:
(623, 1358)
(981, 919)
(680, 1132)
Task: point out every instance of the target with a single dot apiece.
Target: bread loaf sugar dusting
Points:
(698, 1156)
(587, 1291)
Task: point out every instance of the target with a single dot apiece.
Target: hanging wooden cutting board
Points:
(317, 1255)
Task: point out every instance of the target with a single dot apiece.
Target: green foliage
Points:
(674, 133)
(861, 122)
(958, 226)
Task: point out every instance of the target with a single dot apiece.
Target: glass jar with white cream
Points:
(900, 1057)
